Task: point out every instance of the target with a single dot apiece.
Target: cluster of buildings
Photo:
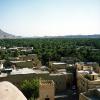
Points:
(27, 67)
(26, 49)
(17, 76)
(81, 78)
(88, 81)
(2, 48)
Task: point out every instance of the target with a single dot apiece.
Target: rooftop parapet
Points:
(46, 83)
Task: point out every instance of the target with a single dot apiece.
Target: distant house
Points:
(22, 64)
(30, 60)
(13, 49)
(2, 48)
(69, 60)
(57, 65)
(87, 78)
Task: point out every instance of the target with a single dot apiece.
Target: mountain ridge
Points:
(5, 35)
(75, 36)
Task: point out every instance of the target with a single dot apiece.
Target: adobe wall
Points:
(85, 84)
(46, 90)
(17, 79)
(60, 81)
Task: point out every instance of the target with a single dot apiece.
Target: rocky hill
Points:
(5, 35)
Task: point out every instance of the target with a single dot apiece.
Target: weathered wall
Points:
(61, 81)
(46, 90)
(85, 84)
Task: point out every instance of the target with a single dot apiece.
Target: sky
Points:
(50, 17)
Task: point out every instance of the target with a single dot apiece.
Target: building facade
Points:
(46, 90)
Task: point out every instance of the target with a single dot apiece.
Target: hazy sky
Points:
(50, 17)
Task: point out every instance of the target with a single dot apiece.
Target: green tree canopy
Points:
(30, 88)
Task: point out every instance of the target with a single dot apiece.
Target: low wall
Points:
(61, 81)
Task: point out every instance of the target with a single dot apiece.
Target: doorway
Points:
(47, 99)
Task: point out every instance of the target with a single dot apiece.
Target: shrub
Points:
(30, 88)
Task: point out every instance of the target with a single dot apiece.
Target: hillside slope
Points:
(4, 35)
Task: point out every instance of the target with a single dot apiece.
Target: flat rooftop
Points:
(27, 71)
(41, 72)
(59, 74)
(59, 63)
(3, 75)
(22, 71)
(17, 61)
(83, 72)
(32, 71)
(87, 72)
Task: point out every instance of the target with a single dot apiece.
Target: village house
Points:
(86, 78)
